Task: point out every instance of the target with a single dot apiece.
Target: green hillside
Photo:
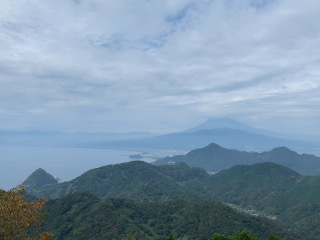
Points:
(268, 188)
(272, 189)
(40, 178)
(134, 180)
(261, 186)
(305, 191)
(264, 186)
(303, 219)
(214, 158)
(83, 216)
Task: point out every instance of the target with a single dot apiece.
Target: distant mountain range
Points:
(214, 158)
(224, 123)
(230, 138)
(268, 188)
(215, 123)
(223, 131)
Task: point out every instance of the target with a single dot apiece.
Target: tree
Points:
(273, 237)
(171, 237)
(219, 237)
(130, 237)
(19, 218)
(241, 236)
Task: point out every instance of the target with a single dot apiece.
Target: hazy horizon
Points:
(64, 163)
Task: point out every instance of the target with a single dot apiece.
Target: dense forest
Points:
(83, 216)
(263, 189)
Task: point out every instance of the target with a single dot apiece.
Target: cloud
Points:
(156, 63)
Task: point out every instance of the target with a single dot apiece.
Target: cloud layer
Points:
(159, 65)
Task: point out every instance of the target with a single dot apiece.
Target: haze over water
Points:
(64, 163)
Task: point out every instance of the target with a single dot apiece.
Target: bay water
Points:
(17, 163)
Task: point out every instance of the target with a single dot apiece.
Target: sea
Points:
(17, 163)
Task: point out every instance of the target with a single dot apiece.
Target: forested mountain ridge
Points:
(214, 158)
(267, 187)
(83, 216)
(135, 180)
(262, 184)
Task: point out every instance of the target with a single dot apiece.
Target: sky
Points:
(159, 65)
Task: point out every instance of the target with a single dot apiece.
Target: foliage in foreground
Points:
(19, 218)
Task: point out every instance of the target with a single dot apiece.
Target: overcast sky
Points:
(159, 65)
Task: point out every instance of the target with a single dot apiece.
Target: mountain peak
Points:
(40, 178)
(213, 146)
(282, 150)
(221, 123)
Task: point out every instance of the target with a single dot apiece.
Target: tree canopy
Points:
(20, 219)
